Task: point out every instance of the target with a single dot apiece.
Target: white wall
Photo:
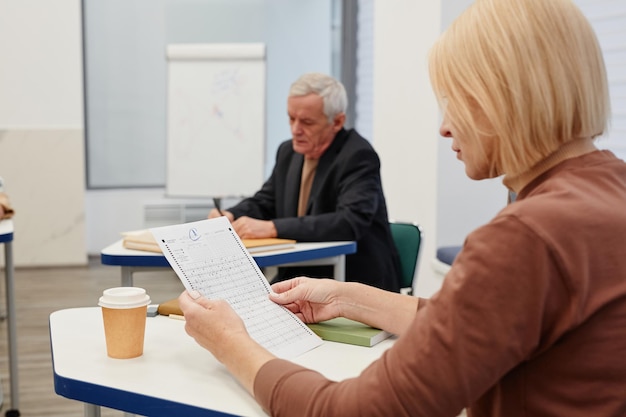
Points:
(41, 133)
(41, 77)
(405, 117)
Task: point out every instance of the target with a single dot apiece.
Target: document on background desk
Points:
(209, 257)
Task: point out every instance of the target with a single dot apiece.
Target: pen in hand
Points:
(216, 203)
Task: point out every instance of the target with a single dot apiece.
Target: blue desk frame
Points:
(305, 253)
(6, 237)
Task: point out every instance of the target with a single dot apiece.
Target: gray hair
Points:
(331, 90)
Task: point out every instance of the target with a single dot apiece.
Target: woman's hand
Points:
(311, 299)
(212, 323)
(217, 328)
(314, 300)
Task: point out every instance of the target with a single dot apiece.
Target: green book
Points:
(344, 330)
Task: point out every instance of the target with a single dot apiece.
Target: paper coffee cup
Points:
(124, 315)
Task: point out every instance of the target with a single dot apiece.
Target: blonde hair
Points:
(532, 68)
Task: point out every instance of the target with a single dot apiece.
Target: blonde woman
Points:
(530, 319)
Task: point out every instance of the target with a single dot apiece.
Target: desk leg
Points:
(12, 324)
(92, 410)
(339, 268)
(127, 276)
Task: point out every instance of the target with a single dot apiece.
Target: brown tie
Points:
(308, 173)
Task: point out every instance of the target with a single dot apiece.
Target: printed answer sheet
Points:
(208, 257)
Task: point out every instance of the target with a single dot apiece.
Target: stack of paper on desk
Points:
(144, 240)
(267, 244)
(209, 257)
(140, 240)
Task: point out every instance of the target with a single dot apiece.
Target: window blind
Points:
(126, 72)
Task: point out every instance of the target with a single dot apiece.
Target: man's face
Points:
(311, 131)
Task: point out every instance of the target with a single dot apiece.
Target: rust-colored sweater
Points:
(530, 320)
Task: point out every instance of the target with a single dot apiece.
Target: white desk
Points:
(306, 253)
(6, 237)
(175, 376)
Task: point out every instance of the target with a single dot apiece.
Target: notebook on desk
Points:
(143, 240)
(344, 330)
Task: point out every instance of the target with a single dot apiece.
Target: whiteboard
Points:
(215, 119)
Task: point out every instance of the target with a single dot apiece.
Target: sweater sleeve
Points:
(486, 319)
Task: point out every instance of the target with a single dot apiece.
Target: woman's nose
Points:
(445, 131)
(444, 128)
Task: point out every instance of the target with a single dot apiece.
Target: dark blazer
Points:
(346, 203)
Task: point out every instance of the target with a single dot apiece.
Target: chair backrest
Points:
(408, 239)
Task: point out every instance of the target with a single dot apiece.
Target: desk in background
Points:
(175, 376)
(305, 253)
(6, 237)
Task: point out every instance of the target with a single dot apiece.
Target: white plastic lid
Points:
(124, 297)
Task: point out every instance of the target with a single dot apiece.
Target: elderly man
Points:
(325, 186)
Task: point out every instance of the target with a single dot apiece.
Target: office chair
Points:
(442, 263)
(408, 238)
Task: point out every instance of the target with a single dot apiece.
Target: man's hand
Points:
(249, 228)
(215, 213)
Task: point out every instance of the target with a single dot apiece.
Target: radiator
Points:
(175, 211)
